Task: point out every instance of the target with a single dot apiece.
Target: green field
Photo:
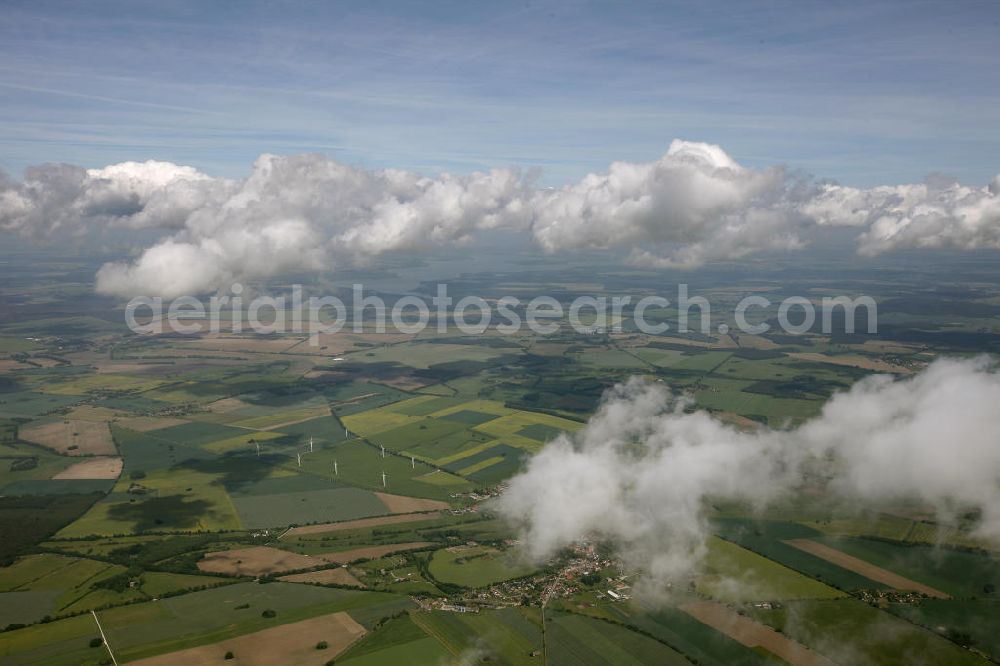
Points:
(458, 416)
(765, 538)
(969, 623)
(30, 403)
(309, 506)
(736, 574)
(958, 573)
(575, 639)
(53, 585)
(698, 642)
(505, 636)
(423, 356)
(475, 566)
(397, 641)
(847, 626)
(189, 620)
(361, 464)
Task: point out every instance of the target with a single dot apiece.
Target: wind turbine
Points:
(299, 457)
(383, 480)
(383, 451)
(413, 463)
(335, 471)
(310, 444)
(257, 444)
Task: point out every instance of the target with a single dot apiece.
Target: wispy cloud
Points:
(567, 86)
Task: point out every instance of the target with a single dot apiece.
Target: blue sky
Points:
(865, 93)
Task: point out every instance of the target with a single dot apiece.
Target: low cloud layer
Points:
(643, 470)
(936, 214)
(695, 204)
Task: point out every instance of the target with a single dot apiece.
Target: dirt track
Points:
(150, 423)
(361, 522)
(371, 552)
(338, 576)
(866, 569)
(403, 504)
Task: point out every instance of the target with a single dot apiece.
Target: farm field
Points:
(394, 640)
(75, 438)
(504, 635)
(753, 634)
(338, 576)
(200, 618)
(255, 561)
(475, 566)
(873, 636)
(863, 568)
(55, 585)
(355, 524)
(271, 494)
(736, 574)
(94, 468)
(575, 639)
(294, 643)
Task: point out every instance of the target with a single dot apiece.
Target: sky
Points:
(863, 93)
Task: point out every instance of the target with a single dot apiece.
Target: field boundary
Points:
(752, 633)
(863, 568)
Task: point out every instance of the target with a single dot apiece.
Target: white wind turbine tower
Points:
(310, 444)
(383, 451)
(257, 444)
(413, 463)
(336, 472)
(383, 480)
(298, 456)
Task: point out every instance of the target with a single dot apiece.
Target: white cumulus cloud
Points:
(303, 212)
(934, 214)
(694, 204)
(642, 472)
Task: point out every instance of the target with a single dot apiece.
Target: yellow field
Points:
(93, 468)
(482, 464)
(471, 451)
(190, 485)
(506, 428)
(69, 437)
(292, 643)
(378, 420)
(485, 406)
(149, 423)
